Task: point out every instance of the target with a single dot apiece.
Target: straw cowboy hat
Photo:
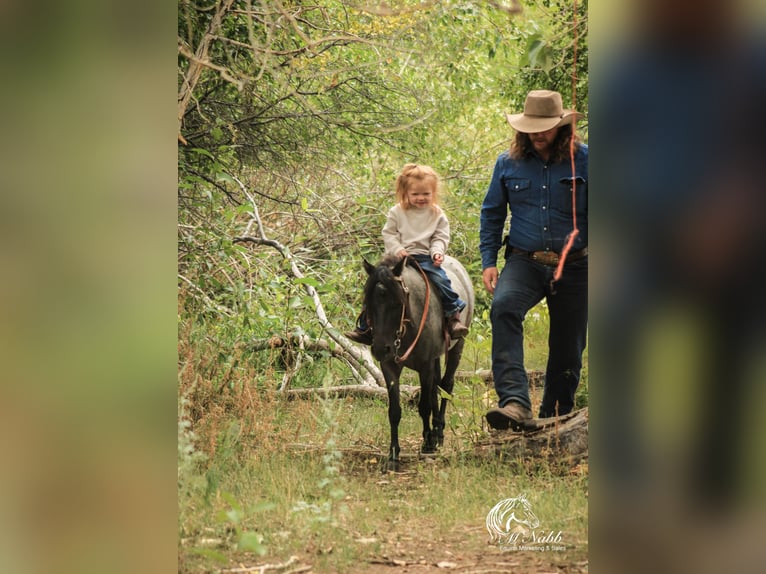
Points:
(542, 111)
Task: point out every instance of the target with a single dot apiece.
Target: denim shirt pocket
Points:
(516, 187)
(563, 199)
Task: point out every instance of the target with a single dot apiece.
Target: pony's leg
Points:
(437, 426)
(448, 384)
(391, 374)
(426, 407)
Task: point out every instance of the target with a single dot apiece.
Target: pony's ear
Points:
(368, 267)
(397, 270)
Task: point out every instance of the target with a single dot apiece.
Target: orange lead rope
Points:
(575, 231)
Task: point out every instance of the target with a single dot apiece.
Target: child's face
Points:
(420, 193)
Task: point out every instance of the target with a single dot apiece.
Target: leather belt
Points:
(551, 258)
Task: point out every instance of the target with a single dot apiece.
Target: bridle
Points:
(403, 320)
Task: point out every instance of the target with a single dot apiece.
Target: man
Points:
(534, 181)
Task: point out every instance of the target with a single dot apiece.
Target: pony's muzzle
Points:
(383, 351)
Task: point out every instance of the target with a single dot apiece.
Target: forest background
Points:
(294, 120)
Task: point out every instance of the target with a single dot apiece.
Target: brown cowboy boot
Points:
(455, 328)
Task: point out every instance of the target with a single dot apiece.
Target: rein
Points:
(402, 327)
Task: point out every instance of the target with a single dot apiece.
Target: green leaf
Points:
(234, 516)
(219, 557)
(202, 152)
(251, 542)
(307, 281)
(304, 204)
(223, 176)
(533, 50)
(295, 303)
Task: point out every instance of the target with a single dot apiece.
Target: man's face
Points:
(543, 141)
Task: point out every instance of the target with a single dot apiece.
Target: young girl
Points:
(417, 227)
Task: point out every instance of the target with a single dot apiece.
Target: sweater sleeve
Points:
(391, 237)
(441, 236)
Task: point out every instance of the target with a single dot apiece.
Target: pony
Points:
(407, 323)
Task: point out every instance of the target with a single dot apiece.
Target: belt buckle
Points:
(546, 257)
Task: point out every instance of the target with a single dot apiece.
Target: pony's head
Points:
(385, 299)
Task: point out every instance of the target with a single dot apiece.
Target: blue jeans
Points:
(522, 284)
(451, 301)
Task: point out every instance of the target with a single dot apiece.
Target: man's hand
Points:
(437, 259)
(489, 276)
(402, 253)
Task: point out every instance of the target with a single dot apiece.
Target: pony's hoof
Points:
(393, 465)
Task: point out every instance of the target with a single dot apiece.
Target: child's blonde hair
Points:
(415, 172)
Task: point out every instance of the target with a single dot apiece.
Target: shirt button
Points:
(543, 207)
(544, 187)
(545, 229)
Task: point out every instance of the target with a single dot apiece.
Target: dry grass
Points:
(308, 479)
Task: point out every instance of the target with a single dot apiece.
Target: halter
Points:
(402, 322)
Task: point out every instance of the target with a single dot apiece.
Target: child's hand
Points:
(437, 259)
(403, 253)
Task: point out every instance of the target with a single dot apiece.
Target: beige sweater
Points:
(420, 231)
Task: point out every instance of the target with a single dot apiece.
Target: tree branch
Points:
(362, 361)
(407, 391)
(199, 60)
(205, 298)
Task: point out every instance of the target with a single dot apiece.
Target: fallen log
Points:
(407, 391)
(557, 439)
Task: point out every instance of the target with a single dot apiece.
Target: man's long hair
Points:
(521, 145)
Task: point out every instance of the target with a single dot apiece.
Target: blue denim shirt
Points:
(539, 196)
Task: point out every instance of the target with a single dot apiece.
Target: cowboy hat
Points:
(542, 111)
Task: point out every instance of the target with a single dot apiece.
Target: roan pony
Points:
(395, 297)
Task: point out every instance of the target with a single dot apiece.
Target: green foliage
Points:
(314, 108)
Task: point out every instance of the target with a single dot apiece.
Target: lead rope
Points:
(575, 231)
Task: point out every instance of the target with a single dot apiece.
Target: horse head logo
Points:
(509, 516)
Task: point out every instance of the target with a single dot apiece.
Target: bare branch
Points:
(409, 392)
(205, 298)
(224, 72)
(362, 360)
(192, 75)
(292, 370)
